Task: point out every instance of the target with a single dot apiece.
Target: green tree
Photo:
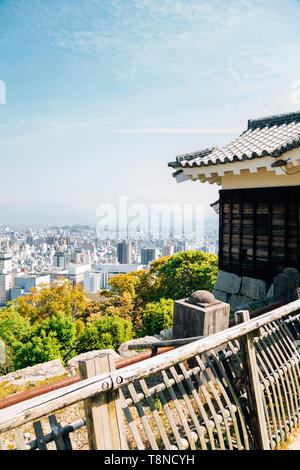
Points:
(186, 272)
(157, 316)
(40, 348)
(29, 344)
(13, 330)
(105, 333)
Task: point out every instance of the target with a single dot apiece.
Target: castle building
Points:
(259, 198)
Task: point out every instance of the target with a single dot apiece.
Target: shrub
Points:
(157, 316)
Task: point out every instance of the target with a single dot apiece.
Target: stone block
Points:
(286, 285)
(165, 334)
(34, 374)
(255, 289)
(238, 301)
(199, 315)
(228, 282)
(125, 352)
(270, 293)
(220, 295)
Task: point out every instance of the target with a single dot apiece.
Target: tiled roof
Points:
(273, 135)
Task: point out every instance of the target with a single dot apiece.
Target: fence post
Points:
(104, 417)
(253, 386)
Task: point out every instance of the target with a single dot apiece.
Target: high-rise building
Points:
(92, 281)
(167, 250)
(5, 263)
(124, 252)
(148, 255)
(59, 260)
(5, 288)
(180, 246)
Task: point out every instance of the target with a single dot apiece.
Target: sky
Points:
(101, 94)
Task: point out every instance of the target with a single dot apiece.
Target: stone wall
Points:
(35, 374)
(241, 291)
(73, 364)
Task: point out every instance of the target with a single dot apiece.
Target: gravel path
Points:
(295, 444)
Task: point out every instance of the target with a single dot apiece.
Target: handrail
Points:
(38, 391)
(157, 348)
(35, 408)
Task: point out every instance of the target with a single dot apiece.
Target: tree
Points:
(186, 272)
(60, 326)
(50, 299)
(105, 333)
(13, 330)
(157, 316)
(170, 277)
(38, 349)
(29, 344)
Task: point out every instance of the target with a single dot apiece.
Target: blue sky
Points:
(100, 94)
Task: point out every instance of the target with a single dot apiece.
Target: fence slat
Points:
(62, 442)
(40, 438)
(19, 438)
(105, 423)
(253, 386)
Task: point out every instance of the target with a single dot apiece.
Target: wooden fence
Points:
(237, 389)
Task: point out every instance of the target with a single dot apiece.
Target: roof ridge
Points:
(196, 154)
(286, 118)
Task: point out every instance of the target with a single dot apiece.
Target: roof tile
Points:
(273, 135)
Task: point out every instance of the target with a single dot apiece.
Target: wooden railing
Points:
(237, 389)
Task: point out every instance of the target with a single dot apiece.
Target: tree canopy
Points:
(46, 323)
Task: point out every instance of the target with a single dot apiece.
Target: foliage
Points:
(104, 333)
(13, 329)
(187, 272)
(157, 316)
(28, 344)
(170, 277)
(46, 323)
(37, 349)
(50, 299)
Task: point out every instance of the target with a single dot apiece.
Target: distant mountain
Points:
(38, 213)
(24, 213)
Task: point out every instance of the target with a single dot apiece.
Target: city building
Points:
(148, 255)
(5, 288)
(59, 260)
(23, 284)
(109, 270)
(76, 273)
(167, 250)
(92, 281)
(5, 263)
(124, 252)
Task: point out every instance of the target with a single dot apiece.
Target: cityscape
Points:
(149, 228)
(35, 256)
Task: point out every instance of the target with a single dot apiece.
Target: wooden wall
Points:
(259, 231)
